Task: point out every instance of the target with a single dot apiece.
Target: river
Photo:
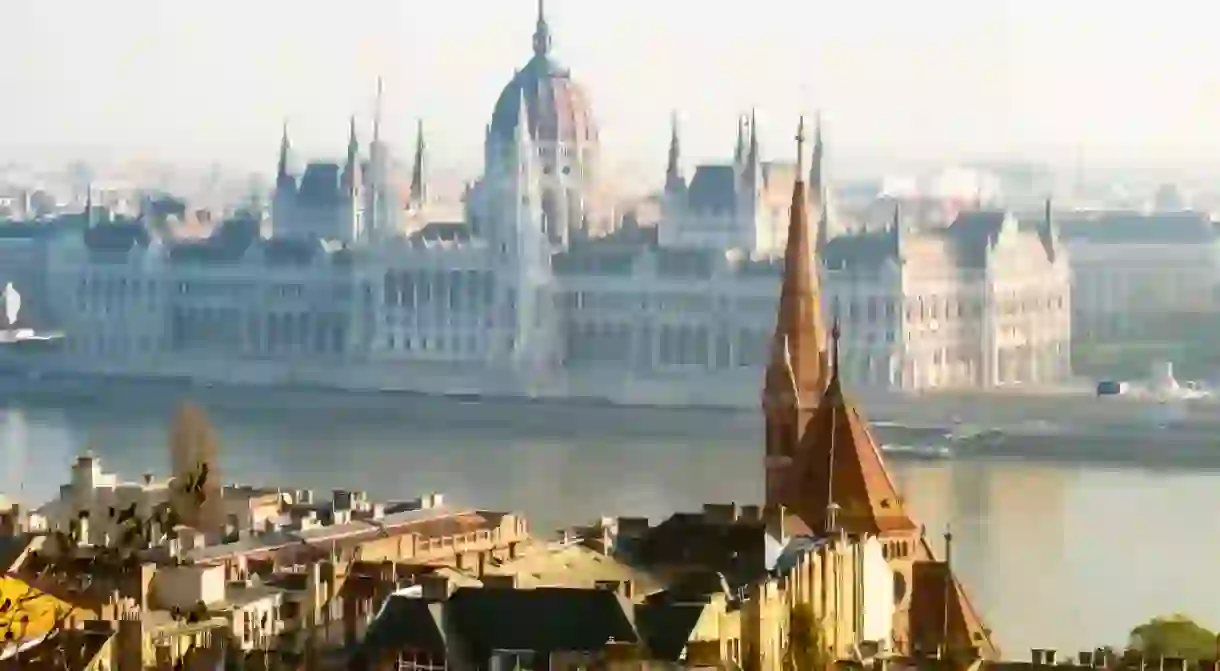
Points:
(1057, 554)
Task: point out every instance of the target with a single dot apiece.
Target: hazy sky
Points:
(195, 80)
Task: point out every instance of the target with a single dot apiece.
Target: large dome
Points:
(558, 108)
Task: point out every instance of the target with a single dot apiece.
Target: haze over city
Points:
(939, 80)
(768, 336)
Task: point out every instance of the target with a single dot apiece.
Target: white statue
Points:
(12, 303)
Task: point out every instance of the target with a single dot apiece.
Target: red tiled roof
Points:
(839, 459)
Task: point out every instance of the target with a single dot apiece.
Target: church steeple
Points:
(542, 33)
(673, 171)
(797, 372)
(800, 308)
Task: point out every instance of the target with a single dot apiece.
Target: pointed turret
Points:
(796, 374)
(89, 220)
(377, 114)
(674, 182)
(282, 178)
(523, 132)
(897, 232)
(1048, 233)
(739, 150)
(542, 33)
(816, 184)
(823, 230)
(376, 219)
(418, 178)
(753, 156)
(351, 170)
(839, 467)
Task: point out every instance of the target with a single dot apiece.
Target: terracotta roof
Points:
(839, 460)
(932, 621)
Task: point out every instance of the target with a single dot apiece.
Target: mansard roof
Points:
(117, 237)
(867, 250)
(675, 262)
(291, 251)
(1139, 228)
(448, 231)
(713, 188)
(322, 184)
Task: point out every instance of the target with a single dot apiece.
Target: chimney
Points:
(720, 513)
(341, 499)
(1173, 664)
(148, 479)
(435, 587)
(1035, 656)
(1085, 658)
(1048, 657)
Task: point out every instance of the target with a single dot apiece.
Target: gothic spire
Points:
(739, 151)
(800, 146)
(816, 184)
(673, 170)
(285, 149)
(753, 155)
(351, 171)
(799, 321)
(418, 184)
(377, 114)
(542, 33)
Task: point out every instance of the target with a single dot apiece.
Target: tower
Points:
(796, 374)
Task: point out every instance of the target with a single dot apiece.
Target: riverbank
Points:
(1062, 427)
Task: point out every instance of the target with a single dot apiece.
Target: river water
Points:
(1057, 554)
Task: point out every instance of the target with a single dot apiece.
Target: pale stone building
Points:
(1142, 278)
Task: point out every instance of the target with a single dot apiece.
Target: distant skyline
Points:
(897, 81)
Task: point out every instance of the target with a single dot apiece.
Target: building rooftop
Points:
(573, 565)
(430, 522)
